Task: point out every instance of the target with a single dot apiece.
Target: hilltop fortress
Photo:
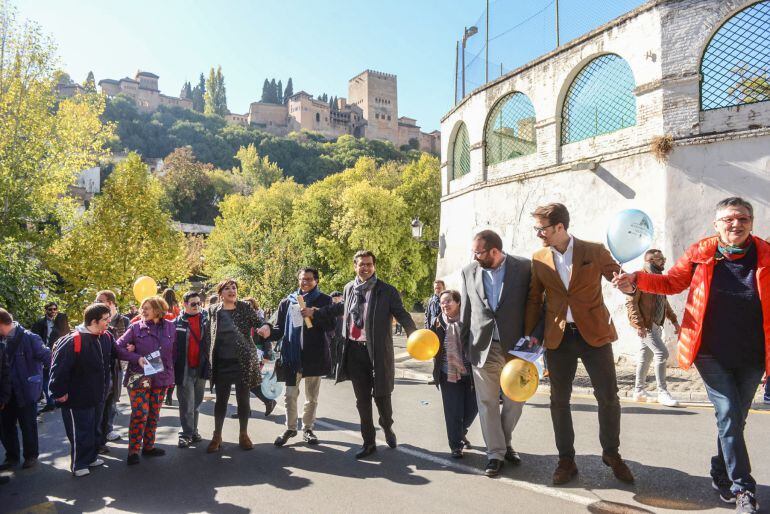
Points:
(369, 111)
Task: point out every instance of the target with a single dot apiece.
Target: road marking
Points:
(535, 488)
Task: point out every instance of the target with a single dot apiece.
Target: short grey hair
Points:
(735, 201)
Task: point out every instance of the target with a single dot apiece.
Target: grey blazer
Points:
(479, 319)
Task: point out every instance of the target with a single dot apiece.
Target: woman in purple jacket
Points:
(150, 371)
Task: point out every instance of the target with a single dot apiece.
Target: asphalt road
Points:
(667, 449)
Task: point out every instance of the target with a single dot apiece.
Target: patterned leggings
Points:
(145, 410)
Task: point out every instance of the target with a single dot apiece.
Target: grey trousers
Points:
(190, 396)
(652, 349)
(496, 424)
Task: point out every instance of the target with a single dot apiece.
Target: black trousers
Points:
(600, 365)
(81, 427)
(222, 390)
(361, 373)
(460, 408)
(25, 417)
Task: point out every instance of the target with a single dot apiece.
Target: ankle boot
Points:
(216, 442)
(244, 441)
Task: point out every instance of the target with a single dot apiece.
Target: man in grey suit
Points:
(494, 297)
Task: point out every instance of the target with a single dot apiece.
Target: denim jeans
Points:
(731, 391)
(652, 348)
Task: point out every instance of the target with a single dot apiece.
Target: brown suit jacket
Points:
(590, 262)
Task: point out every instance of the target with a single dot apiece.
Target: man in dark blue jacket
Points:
(26, 355)
(5, 389)
(80, 379)
(191, 368)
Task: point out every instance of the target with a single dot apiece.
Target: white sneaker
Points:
(96, 463)
(113, 436)
(664, 398)
(82, 472)
(642, 396)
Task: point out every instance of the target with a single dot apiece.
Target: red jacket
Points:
(695, 270)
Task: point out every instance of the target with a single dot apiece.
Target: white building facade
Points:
(665, 109)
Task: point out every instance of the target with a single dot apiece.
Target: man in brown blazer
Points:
(567, 275)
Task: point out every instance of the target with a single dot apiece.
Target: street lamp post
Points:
(468, 32)
(417, 227)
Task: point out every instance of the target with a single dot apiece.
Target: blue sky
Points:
(319, 44)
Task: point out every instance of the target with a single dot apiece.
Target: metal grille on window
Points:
(735, 69)
(510, 130)
(461, 156)
(600, 100)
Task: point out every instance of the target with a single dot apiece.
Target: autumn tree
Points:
(189, 192)
(256, 171)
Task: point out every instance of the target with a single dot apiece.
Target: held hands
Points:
(626, 282)
(677, 328)
(264, 331)
(308, 312)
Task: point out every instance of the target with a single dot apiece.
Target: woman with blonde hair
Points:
(148, 346)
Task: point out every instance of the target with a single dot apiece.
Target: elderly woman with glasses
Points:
(725, 332)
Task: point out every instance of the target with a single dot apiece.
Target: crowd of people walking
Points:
(553, 299)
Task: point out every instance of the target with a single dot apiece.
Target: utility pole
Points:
(486, 49)
(465, 33)
(557, 23)
(457, 51)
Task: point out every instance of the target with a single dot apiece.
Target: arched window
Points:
(600, 100)
(510, 129)
(461, 153)
(317, 117)
(735, 69)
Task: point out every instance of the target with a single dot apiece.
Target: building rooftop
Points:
(146, 74)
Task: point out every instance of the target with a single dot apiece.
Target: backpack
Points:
(78, 341)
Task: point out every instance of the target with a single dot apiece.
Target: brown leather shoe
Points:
(244, 441)
(619, 467)
(216, 443)
(566, 470)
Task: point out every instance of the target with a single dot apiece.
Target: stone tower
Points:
(376, 94)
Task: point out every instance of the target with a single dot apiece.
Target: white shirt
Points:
(563, 262)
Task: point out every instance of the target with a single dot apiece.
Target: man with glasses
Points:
(46, 327)
(725, 332)
(80, 379)
(567, 277)
(646, 314)
(494, 295)
(305, 352)
(192, 367)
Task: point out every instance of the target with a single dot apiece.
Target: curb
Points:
(684, 397)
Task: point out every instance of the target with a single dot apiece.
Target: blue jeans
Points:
(731, 391)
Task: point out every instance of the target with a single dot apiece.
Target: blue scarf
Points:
(291, 343)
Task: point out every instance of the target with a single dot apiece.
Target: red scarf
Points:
(194, 348)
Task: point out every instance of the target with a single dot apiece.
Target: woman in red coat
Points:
(725, 332)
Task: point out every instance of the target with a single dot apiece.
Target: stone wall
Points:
(718, 153)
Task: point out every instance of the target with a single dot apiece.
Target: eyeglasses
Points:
(107, 319)
(742, 220)
(194, 304)
(51, 309)
(541, 230)
(479, 254)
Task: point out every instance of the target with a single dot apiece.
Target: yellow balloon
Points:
(144, 287)
(519, 380)
(422, 344)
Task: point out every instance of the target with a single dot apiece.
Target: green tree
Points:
(198, 94)
(279, 93)
(288, 92)
(186, 91)
(215, 96)
(273, 92)
(44, 142)
(252, 242)
(125, 233)
(256, 171)
(189, 192)
(265, 92)
(25, 283)
(90, 84)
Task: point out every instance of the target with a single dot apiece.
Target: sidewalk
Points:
(685, 386)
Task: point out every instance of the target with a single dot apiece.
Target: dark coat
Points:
(84, 377)
(439, 327)
(245, 319)
(384, 304)
(182, 341)
(316, 341)
(5, 377)
(41, 328)
(149, 337)
(26, 356)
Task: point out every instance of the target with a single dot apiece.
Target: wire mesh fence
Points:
(510, 129)
(510, 33)
(735, 68)
(461, 153)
